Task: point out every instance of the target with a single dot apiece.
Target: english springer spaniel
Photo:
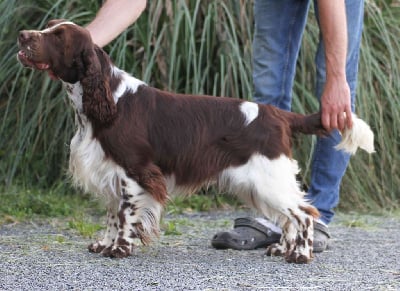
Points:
(135, 145)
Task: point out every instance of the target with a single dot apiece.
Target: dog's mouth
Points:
(24, 57)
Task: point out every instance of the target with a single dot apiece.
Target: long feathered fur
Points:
(98, 102)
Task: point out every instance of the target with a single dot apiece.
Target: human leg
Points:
(279, 26)
(329, 165)
(273, 84)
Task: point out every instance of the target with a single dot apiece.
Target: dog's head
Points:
(66, 51)
(60, 49)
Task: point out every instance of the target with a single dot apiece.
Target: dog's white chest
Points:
(88, 164)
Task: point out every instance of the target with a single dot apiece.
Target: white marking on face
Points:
(250, 111)
(50, 29)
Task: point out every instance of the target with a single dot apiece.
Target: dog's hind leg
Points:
(296, 241)
(270, 186)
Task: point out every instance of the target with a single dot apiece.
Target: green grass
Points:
(205, 200)
(74, 211)
(18, 204)
(80, 211)
(170, 228)
(197, 46)
(84, 226)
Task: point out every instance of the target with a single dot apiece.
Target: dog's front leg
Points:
(112, 228)
(138, 218)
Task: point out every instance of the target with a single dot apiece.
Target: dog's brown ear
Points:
(97, 99)
(54, 22)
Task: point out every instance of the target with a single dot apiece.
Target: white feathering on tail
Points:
(359, 136)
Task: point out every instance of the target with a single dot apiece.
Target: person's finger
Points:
(341, 121)
(333, 121)
(325, 119)
(349, 118)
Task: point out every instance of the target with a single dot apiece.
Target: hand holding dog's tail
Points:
(359, 136)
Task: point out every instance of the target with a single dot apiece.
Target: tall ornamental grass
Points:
(202, 47)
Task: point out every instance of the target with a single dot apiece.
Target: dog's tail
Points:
(359, 136)
(307, 124)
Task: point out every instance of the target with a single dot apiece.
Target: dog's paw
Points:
(118, 252)
(275, 250)
(96, 247)
(106, 252)
(298, 258)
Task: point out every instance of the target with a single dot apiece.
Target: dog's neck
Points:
(123, 82)
(75, 93)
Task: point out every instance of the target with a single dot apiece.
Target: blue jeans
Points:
(279, 26)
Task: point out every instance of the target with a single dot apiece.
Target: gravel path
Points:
(47, 256)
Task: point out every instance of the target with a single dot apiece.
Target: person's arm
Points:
(335, 99)
(113, 18)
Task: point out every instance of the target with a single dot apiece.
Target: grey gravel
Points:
(48, 256)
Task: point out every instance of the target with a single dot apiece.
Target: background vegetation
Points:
(192, 46)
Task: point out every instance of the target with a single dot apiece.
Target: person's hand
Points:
(336, 105)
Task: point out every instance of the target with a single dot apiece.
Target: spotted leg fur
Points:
(261, 184)
(111, 231)
(138, 217)
(296, 243)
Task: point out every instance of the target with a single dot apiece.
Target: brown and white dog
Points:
(135, 144)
